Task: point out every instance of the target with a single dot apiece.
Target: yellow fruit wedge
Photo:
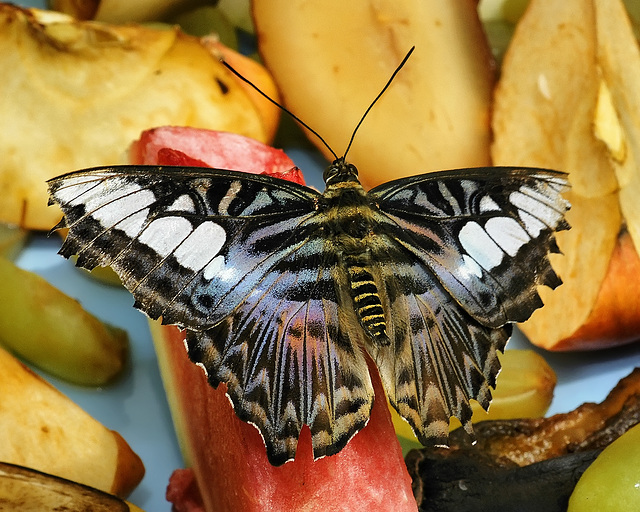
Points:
(331, 59)
(569, 99)
(42, 429)
(79, 93)
(51, 330)
(12, 240)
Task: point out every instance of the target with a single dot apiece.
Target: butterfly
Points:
(282, 289)
(284, 292)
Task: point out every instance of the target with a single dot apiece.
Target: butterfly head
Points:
(340, 171)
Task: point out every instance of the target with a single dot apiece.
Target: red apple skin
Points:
(615, 318)
(231, 467)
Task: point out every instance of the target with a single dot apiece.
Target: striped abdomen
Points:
(367, 302)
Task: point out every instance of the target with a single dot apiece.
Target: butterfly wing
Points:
(440, 356)
(291, 356)
(460, 255)
(485, 233)
(237, 260)
(189, 243)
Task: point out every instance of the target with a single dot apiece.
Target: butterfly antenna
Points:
(400, 66)
(280, 106)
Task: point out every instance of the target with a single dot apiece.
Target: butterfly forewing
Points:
(281, 289)
(485, 233)
(189, 243)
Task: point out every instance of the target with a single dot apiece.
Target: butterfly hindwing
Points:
(290, 356)
(440, 357)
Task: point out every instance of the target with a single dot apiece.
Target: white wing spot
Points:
(132, 224)
(214, 268)
(113, 206)
(201, 246)
(470, 266)
(487, 204)
(184, 203)
(533, 226)
(74, 188)
(164, 234)
(507, 233)
(480, 246)
(537, 204)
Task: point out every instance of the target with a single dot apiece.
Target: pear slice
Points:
(43, 429)
(568, 99)
(332, 58)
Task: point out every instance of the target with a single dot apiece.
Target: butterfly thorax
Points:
(349, 223)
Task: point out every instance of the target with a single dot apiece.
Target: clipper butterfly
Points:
(283, 291)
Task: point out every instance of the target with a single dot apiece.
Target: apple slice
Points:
(334, 57)
(80, 92)
(568, 99)
(619, 60)
(55, 333)
(42, 429)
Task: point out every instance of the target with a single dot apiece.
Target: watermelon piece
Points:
(229, 470)
(222, 150)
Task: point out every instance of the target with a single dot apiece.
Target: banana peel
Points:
(29, 490)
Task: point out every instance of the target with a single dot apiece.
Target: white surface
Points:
(136, 407)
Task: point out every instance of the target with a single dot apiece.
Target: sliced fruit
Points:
(334, 57)
(259, 77)
(209, 148)
(524, 389)
(104, 84)
(52, 331)
(42, 429)
(120, 11)
(12, 239)
(619, 60)
(568, 99)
